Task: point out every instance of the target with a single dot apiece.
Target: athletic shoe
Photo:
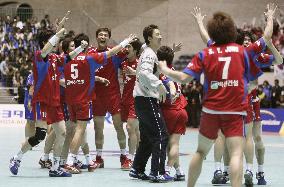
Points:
(60, 172)
(133, 174)
(14, 166)
(179, 177)
(161, 178)
(92, 167)
(99, 161)
(218, 177)
(248, 178)
(126, 164)
(72, 169)
(226, 177)
(260, 178)
(79, 164)
(45, 164)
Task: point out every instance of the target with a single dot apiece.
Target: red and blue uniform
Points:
(127, 99)
(174, 113)
(80, 82)
(109, 96)
(29, 114)
(227, 70)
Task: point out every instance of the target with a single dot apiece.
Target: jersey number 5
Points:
(74, 71)
(227, 61)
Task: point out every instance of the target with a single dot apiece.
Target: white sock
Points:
(55, 164)
(217, 165)
(260, 168)
(179, 171)
(71, 158)
(19, 155)
(89, 160)
(249, 167)
(227, 169)
(99, 152)
(131, 157)
(168, 168)
(62, 161)
(45, 157)
(123, 151)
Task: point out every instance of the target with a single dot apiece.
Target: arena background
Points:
(124, 17)
(131, 16)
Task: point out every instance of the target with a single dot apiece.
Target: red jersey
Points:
(179, 103)
(129, 82)
(79, 76)
(110, 72)
(46, 78)
(227, 70)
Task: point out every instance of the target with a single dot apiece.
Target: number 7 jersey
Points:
(227, 70)
(79, 76)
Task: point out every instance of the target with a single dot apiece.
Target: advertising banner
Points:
(272, 119)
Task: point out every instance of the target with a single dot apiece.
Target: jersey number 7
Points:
(227, 61)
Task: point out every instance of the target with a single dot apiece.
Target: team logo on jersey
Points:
(214, 85)
(223, 84)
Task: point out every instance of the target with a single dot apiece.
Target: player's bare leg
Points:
(39, 136)
(173, 157)
(86, 151)
(59, 130)
(132, 128)
(249, 154)
(204, 146)
(235, 147)
(218, 153)
(226, 159)
(99, 138)
(121, 137)
(70, 131)
(44, 161)
(43, 127)
(74, 148)
(29, 128)
(259, 151)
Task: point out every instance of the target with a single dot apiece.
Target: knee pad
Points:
(38, 137)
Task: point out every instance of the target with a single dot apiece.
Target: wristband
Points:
(124, 43)
(78, 50)
(53, 40)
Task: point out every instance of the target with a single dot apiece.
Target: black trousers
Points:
(153, 136)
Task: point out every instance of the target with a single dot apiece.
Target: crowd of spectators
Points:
(17, 44)
(271, 96)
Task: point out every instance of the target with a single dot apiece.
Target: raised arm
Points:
(61, 24)
(120, 46)
(176, 76)
(79, 49)
(269, 14)
(278, 59)
(199, 20)
(52, 42)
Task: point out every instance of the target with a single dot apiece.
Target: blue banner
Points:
(272, 119)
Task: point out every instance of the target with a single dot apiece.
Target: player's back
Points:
(225, 68)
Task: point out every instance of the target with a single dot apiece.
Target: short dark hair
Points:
(165, 53)
(148, 32)
(221, 28)
(44, 36)
(250, 35)
(240, 36)
(65, 44)
(136, 44)
(103, 29)
(80, 37)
